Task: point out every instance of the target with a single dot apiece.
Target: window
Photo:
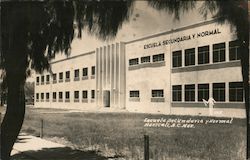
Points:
(37, 96)
(203, 92)
(234, 50)
(42, 80)
(236, 91)
(219, 52)
(42, 96)
(158, 57)
(47, 78)
(67, 74)
(145, 59)
(177, 59)
(47, 96)
(60, 76)
(203, 55)
(190, 92)
(134, 61)
(67, 96)
(157, 93)
(134, 94)
(37, 80)
(76, 94)
(77, 73)
(84, 94)
(54, 77)
(176, 93)
(219, 91)
(54, 95)
(189, 57)
(93, 70)
(85, 72)
(92, 94)
(60, 95)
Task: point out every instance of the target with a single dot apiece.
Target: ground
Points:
(121, 135)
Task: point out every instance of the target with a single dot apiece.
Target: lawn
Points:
(121, 135)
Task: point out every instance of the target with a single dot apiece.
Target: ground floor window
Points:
(236, 91)
(76, 95)
(219, 91)
(92, 94)
(84, 94)
(134, 93)
(60, 95)
(203, 91)
(47, 96)
(54, 95)
(190, 92)
(177, 90)
(158, 93)
(42, 96)
(37, 96)
(67, 95)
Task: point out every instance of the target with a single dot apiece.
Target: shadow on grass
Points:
(57, 154)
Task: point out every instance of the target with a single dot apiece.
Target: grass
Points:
(121, 135)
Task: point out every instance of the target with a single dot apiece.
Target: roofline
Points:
(69, 58)
(173, 30)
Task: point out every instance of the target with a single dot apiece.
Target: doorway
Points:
(106, 98)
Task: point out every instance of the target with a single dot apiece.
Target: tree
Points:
(33, 32)
(232, 11)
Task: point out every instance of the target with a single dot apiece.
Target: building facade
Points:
(191, 70)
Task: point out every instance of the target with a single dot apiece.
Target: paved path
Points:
(32, 148)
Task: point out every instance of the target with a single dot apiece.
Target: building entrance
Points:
(106, 98)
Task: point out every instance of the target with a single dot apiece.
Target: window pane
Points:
(203, 55)
(157, 93)
(219, 52)
(177, 59)
(67, 74)
(76, 73)
(203, 91)
(219, 91)
(84, 94)
(177, 90)
(61, 75)
(93, 70)
(67, 95)
(145, 59)
(236, 91)
(158, 57)
(92, 94)
(134, 94)
(234, 50)
(76, 94)
(85, 72)
(134, 61)
(54, 95)
(54, 77)
(190, 92)
(189, 57)
(60, 95)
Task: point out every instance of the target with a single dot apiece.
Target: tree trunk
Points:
(14, 115)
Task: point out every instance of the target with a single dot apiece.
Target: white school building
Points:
(173, 72)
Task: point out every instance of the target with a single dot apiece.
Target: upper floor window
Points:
(67, 75)
(67, 95)
(219, 91)
(190, 92)
(219, 52)
(42, 79)
(92, 94)
(37, 96)
(47, 96)
(93, 70)
(145, 59)
(37, 80)
(134, 61)
(203, 91)
(54, 96)
(47, 78)
(61, 76)
(236, 91)
(203, 55)
(158, 93)
(42, 96)
(134, 94)
(85, 72)
(60, 95)
(76, 94)
(189, 57)
(234, 50)
(177, 91)
(158, 57)
(76, 73)
(54, 77)
(177, 58)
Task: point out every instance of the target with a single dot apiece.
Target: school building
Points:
(172, 72)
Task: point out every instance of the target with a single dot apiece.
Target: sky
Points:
(144, 21)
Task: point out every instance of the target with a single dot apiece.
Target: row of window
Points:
(46, 96)
(147, 59)
(67, 76)
(219, 91)
(219, 54)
